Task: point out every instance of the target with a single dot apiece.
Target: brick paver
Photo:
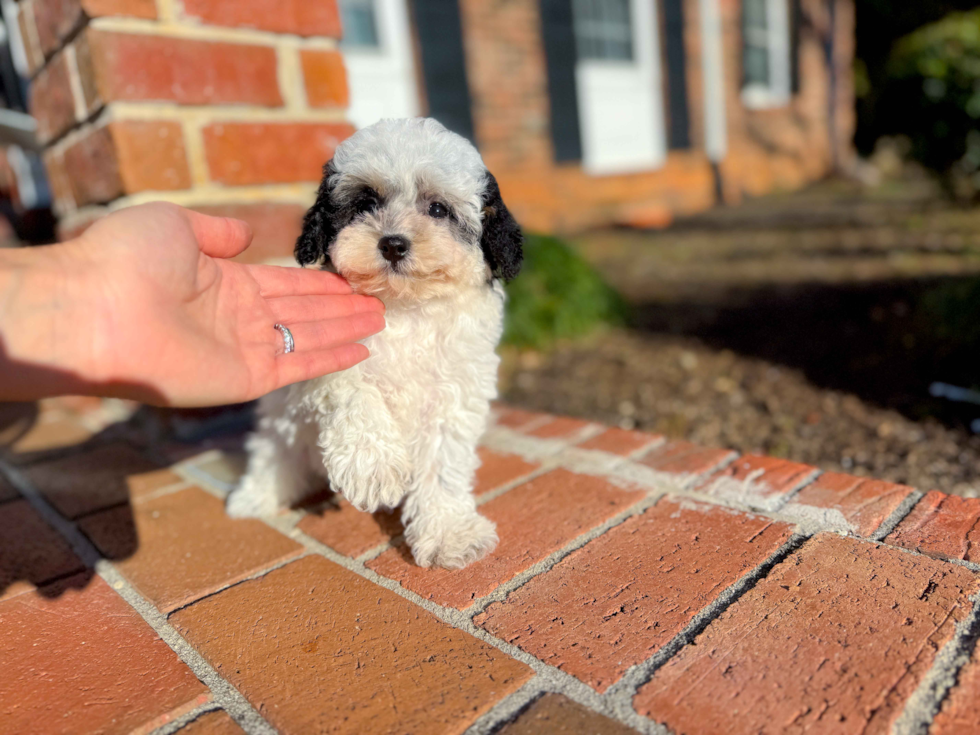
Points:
(554, 713)
(833, 640)
(498, 469)
(616, 601)
(684, 458)
(758, 481)
(21, 434)
(187, 545)
(319, 649)
(212, 723)
(350, 531)
(960, 713)
(559, 428)
(31, 552)
(85, 661)
(620, 441)
(533, 521)
(83, 483)
(943, 526)
(863, 504)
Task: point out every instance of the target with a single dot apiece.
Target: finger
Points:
(275, 281)
(299, 309)
(322, 335)
(299, 366)
(219, 237)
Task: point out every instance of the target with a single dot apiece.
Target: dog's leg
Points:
(277, 476)
(443, 527)
(363, 448)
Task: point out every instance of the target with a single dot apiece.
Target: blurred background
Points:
(752, 223)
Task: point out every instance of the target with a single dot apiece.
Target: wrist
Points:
(46, 309)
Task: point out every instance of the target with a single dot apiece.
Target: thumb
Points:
(220, 237)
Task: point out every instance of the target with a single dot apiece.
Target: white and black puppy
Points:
(408, 212)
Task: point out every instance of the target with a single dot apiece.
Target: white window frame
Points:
(778, 92)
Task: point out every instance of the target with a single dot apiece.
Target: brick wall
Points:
(225, 106)
(767, 149)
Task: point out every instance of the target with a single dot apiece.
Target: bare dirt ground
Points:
(800, 325)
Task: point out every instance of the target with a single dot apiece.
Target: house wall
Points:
(767, 149)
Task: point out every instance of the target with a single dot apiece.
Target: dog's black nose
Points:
(393, 247)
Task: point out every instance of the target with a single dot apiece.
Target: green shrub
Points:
(558, 295)
(934, 98)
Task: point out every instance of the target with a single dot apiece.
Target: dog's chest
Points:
(442, 354)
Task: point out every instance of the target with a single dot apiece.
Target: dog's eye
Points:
(438, 210)
(367, 201)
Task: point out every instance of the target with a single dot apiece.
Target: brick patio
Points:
(639, 585)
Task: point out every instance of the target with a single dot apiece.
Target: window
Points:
(603, 31)
(766, 53)
(360, 24)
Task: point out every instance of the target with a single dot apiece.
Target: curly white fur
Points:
(401, 427)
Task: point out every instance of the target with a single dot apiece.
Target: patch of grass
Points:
(558, 295)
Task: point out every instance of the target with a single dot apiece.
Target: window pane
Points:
(360, 24)
(602, 29)
(755, 42)
(756, 62)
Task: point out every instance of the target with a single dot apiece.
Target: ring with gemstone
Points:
(287, 339)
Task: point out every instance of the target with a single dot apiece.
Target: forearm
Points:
(46, 324)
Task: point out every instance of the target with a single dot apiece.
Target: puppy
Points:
(408, 212)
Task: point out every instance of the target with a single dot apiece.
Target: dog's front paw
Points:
(452, 545)
(372, 479)
(247, 501)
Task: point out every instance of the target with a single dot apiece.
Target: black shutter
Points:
(678, 118)
(440, 32)
(559, 50)
(795, 22)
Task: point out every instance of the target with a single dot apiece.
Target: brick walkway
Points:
(639, 585)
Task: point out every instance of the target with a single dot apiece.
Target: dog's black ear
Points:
(502, 240)
(319, 224)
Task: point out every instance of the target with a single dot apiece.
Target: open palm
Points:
(175, 322)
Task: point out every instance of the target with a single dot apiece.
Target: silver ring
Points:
(287, 339)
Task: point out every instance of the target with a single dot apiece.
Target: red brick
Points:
(554, 713)
(835, 639)
(561, 427)
(497, 470)
(275, 227)
(93, 169)
(54, 166)
(316, 648)
(133, 8)
(943, 526)
(326, 78)
(56, 20)
(151, 155)
(187, 546)
(960, 712)
(301, 17)
(51, 100)
(684, 458)
(349, 531)
(256, 153)
(533, 521)
(620, 598)
(517, 418)
(84, 661)
(91, 97)
(97, 479)
(142, 67)
(757, 479)
(212, 723)
(31, 552)
(863, 503)
(620, 441)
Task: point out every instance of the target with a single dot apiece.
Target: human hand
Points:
(149, 308)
